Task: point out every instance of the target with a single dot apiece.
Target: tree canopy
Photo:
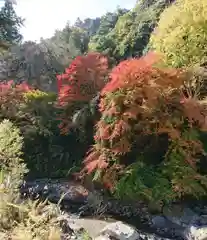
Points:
(10, 25)
(182, 40)
(119, 35)
(131, 32)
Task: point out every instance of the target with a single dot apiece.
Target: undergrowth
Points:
(21, 219)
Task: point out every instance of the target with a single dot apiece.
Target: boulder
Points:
(196, 233)
(119, 230)
(122, 231)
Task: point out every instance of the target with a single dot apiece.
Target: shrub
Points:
(84, 78)
(11, 145)
(21, 219)
(11, 97)
(30, 109)
(12, 170)
(38, 221)
(39, 106)
(147, 140)
(45, 151)
(181, 34)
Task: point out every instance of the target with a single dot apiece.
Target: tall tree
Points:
(126, 34)
(103, 40)
(10, 24)
(182, 40)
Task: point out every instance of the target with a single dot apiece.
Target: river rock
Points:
(177, 222)
(196, 233)
(91, 226)
(54, 190)
(182, 222)
(121, 231)
(105, 230)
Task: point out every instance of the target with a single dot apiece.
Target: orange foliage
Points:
(141, 100)
(129, 71)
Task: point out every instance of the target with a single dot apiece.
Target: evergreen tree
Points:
(10, 24)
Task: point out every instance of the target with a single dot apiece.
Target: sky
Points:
(43, 17)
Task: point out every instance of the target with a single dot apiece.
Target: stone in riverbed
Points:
(121, 231)
(54, 190)
(196, 233)
(188, 224)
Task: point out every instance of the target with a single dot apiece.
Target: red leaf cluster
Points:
(129, 71)
(11, 95)
(82, 80)
(24, 87)
(85, 76)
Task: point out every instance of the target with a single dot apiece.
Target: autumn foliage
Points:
(11, 95)
(81, 81)
(148, 128)
(26, 107)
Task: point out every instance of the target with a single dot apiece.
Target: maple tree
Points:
(11, 95)
(141, 105)
(81, 81)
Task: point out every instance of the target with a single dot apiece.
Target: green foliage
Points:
(24, 219)
(30, 111)
(103, 40)
(182, 40)
(10, 24)
(12, 169)
(11, 146)
(21, 219)
(45, 151)
(40, 106)
(142, 181)
(10, 143)
(131, 32)
(35, 63)
(166, 181)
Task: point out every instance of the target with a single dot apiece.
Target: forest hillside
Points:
(116, 104)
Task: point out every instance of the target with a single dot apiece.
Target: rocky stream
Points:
(106, 218)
